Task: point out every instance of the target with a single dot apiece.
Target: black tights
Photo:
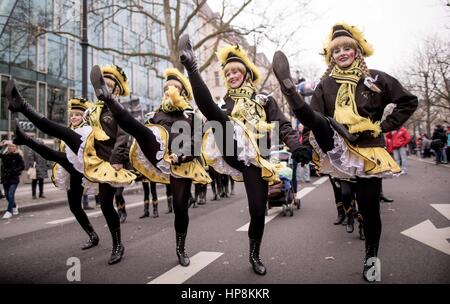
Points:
(181, 202)
(75, 193)
(74, 196)
(368, 197)
(47, 126)
(150, 187)
(145, 187)
(106, 196)
(144, 137)
(255, 186)
(348, 195)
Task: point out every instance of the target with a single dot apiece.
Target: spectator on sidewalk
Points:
(426, 146)
(400, 139)
(37, 161)
(438, 141)
(12, 167)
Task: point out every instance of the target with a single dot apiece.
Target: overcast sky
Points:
(394, 27)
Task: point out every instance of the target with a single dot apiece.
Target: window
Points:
(139, 81)
(41, 53)
(71, 59)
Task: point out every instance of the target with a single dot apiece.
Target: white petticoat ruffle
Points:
(163, 167)
(62, 178)
(77, 160)
(248, 154)
(340, 162)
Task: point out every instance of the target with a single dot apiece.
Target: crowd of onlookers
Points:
(436, 146)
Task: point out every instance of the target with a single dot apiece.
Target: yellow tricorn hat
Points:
(343, 29)
(116, 73)
(235, 53)
(175, 74)
(79, 104)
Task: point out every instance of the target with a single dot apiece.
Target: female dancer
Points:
(64, 176)
(154, 152)
(344, 117)
(97, 150)
(243, 106)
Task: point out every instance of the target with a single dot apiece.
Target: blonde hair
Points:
(234, 65)
(345, 41)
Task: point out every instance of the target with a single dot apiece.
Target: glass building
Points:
(40, 48)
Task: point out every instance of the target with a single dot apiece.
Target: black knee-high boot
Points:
(183, 258)
(18, 104)
(341, 214)
(93, 237)
(369, 264)
(254, 258)
(118, 249)
(155, 208)
(146, 209)
(169, 205)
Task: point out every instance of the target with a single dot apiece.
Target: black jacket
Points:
(287, 134)
(12, 167)
(369, 104)
(115, 149)
(167, 120)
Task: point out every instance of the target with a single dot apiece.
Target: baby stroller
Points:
(281, 194)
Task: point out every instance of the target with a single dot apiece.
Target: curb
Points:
(63, 201)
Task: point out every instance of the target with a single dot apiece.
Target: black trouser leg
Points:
(347, 196)
(181, 190)
(33, 187)
(257, 190)
(41, 186)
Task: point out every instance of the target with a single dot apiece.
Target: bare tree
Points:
(163, 19)
(429, 78)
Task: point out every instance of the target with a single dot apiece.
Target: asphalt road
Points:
(304, 248)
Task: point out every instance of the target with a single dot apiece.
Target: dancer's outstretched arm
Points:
(202, 95)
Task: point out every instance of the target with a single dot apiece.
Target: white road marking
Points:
(97, 213)
(428, 234)
(303, 192)
(444, 209)
(274, 211)
(180, 274)
(320, 181)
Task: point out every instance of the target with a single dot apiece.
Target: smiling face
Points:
(343, 51)
(344, 56)
(12, 148)
(76, 117)
(234, 74)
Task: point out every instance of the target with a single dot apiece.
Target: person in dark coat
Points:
(438, 141)
(345, 118)
(37, 161)
(12, 167)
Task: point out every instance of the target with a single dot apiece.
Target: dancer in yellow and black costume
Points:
(345, 120)
(98, 150)
(64, 176)
(153, 153)
(250, 117)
